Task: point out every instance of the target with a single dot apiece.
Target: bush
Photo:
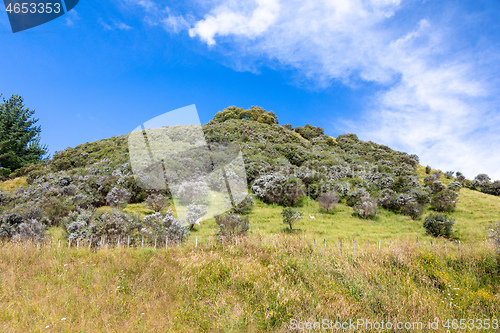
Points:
(164, 227)
(193, 192)
(118, 196)
(231, 225)
(445, 201)
(455, 186)
(194, 213)
(112, 224)
(428, 170)
(244, 207)
(356, 195)
(495, 236)
(439, 225)
(291, 216)
(309, 132)
(280, 189)
(14, 226)
(414, 210)
(328, 200)
(157, 202)
(366, 207)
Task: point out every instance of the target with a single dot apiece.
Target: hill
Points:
(359, 173)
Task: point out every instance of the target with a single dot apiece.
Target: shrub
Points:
(328, 200)
(193, 192)
(309, 132)
(291, 216)
(455, 186)
(439, 225)
(279, 189)
(112, 224)
(437, 186)
(118, 196)
(366, 207)
(356, 195)
(157, 202)
(495, 236)
(445, 201)
(244, 207)
(414, 210)
(14, 226)
(449, 174)
(164, 227)
(194, 213)
(76, 224)
(231, 225)
(55, 209)
(428, 170)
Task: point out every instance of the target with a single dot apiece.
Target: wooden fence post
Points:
(90, 243)
(354, 245)
(196, 243)
(379, 244)
(59, 244)
(445, 248)
(340, 245)
(155, 242)
(128, 241)
(324, 240)
(208, 240)
(69, 243)
(142, 242)
(459, 248)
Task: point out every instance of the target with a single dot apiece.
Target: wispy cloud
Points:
(115, 25)
(434, 98)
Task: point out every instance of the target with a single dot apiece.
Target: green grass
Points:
(13, 184)
(250, 287)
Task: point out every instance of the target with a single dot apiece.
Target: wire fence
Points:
(340, 246)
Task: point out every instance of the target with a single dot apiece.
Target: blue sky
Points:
(419, 76)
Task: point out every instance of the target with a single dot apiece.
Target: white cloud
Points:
(433, 101)
(237, 19)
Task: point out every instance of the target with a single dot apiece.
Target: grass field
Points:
(255, 286)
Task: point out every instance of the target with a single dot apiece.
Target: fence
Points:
(339, 247)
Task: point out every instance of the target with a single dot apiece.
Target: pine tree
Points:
(19, 137)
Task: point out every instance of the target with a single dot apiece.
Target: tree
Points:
(19, 137)
(291, 216)
(328, 200)
(157, 202)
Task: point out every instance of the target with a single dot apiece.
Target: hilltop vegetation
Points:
(284, 167)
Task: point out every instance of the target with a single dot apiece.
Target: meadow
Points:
(258, 285)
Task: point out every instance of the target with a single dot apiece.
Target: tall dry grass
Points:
(257, 285)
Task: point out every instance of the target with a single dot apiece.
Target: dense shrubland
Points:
(283, 166)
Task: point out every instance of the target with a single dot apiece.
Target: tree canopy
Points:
(19, 136)
(255, 113)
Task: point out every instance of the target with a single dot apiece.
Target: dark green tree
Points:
(19, 136)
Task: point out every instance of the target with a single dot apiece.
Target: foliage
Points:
(244, 207)
(366, 207)
(255, 113)
(495, 236)
(118, 196)
(19, 136)
(194, 214)
(439, 225)
(14, 226)
(328, 200)
(280, 189)
(163, 227)
(157, 202)
(309, 132)
(291, 216)
(414, 210)
(231, 225)
(445, 201)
